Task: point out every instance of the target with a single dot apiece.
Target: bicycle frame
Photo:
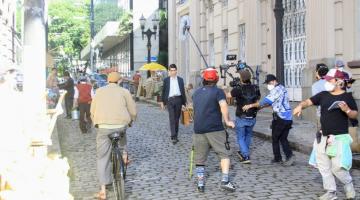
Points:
(119, 168)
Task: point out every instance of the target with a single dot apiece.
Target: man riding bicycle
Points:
(112, 109)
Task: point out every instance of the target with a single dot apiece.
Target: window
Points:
(242, 42)
(225, 44)
(211, 50)
(225, 3)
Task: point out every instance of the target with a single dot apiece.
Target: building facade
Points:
(126, 53)
(9, 42)
(313, 32)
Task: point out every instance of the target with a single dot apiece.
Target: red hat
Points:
(210, 74)
(334, 73)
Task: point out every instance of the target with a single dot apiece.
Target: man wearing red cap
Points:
(209, 108)
(331, 151)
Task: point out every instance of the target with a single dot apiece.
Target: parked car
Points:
(98, 80)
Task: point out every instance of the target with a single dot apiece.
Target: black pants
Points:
(174, 107)
(85, 120)
(280, 132)
(69, 100)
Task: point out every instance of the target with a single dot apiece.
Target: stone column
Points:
(357, 14)
(172, 31)
(34, 54)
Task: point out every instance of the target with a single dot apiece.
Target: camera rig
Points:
(239, 66)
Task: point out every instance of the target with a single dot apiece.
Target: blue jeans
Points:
(244, 131)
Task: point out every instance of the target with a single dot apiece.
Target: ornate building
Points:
(313, 32)
(9, 42)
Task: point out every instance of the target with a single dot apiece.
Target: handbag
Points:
(185, 117)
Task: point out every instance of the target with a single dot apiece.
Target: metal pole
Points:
(92, 32)
(149, 46)
(279, 14)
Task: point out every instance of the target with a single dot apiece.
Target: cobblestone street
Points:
(159, 169)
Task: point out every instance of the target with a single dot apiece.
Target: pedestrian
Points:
(278, 99)
(246, 93)
(68, 85)
(82, 99)
(332, 151)
(53, 94)
(174, 98)
(112, 110)
(319, 86)
(136, 80)
(209, 108)
(189, 91)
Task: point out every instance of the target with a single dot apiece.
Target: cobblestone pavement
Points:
(160, 170)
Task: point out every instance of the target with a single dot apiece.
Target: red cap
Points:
(210, 74)
(334, 73)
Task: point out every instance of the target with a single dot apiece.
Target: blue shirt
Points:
(207, 113)
(279, 100)
(316, 88)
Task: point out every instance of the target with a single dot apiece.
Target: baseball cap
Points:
(334, 73)
(114, 77)
(269, 78)
(339, 63)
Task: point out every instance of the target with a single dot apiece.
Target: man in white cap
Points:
(332, 151)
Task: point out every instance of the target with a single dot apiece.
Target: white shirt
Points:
(76, 94)
(174, 87)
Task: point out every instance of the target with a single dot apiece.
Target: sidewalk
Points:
(301, 136)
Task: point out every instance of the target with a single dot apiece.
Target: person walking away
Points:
(82, 98)
(68, 85)
(136, 81)
(246, 93)
(112, 109)
(278, 99)
(319, 86)
(332, 149)
(174, 98)
(209, 108)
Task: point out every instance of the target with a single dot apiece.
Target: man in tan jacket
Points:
(112, 109)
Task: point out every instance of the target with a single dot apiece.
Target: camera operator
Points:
(245, 93)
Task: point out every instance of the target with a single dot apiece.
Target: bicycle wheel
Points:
(119, 179)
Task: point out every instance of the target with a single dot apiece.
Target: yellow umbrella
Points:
(153, 67)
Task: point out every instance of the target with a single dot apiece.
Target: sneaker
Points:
(201, 189)
(246, 160)
(289, 161)
(228, 186)
(241, 158)
(329, 195)
(349, 191)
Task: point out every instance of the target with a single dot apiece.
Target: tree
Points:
(105, 12)
(69, 26)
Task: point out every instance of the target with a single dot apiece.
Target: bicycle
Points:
(119, 166)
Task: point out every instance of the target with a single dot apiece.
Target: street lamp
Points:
(149, 33)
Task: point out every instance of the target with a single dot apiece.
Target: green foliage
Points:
(19, 15)
(105, 12)
(163, 18)
(125, 25)
(69, 26)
